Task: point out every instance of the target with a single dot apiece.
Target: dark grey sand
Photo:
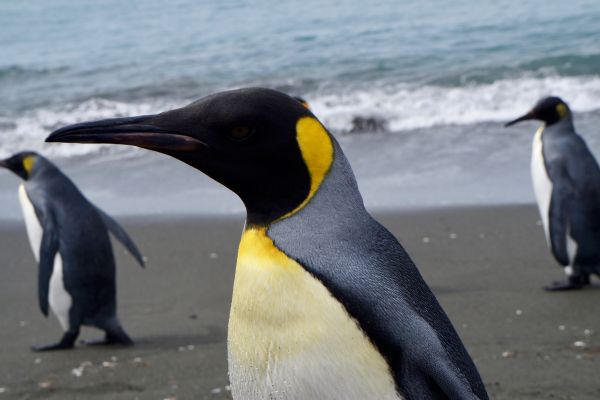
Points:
(486, 265)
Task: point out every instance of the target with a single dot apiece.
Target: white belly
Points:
(542, 185)
(58, 298)
(289, 339)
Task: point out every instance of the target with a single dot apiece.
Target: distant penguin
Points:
(326, 302)
(69, 238)
(566, 181)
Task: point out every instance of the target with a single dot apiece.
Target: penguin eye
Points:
(241, 132)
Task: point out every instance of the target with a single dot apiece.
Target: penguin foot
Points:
(52, 347)
(66, 342)
(573, 283)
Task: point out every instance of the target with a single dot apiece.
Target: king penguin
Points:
(326, 303)
(566, 182)
(70, 241)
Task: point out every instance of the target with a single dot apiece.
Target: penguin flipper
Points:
(563, 188)
(48, 250)
(429, 372)
(450, 383)
(120, 233)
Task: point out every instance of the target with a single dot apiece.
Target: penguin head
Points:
(23, 164)
(302, 101)
(262, 144)
(549, 110)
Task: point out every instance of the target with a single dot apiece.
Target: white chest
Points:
(289, 338)
(542, 185)
(58, 298)
(32, 224)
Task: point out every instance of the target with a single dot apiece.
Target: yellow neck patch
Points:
(28, 163)
(561, 109)
(317, 151)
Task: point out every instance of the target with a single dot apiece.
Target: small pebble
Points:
(213, 255)
(228, 388)
(562, 327)
(508, 354)
(426, 239)
(190, 347)
(587, 332)
(109, 364)
(215, 391)
(22, 323)
(453, 236)
(519, 312)
(2, 390)
(578, 357)
(37, 361)
(78, 372)
(45, 384)
(579, 344)
(139, 361)
(481, 235)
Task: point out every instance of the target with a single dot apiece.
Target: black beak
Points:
(529, 115)
(3, 164)
(134, 131)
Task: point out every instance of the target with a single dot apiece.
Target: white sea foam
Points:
(28, 131)
(401, 106)
(406, 107)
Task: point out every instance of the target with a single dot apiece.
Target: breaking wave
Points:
(381, 107)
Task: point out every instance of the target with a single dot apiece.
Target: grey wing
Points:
(48, 249)
(118, 231)
(563, 191)
(429, 371)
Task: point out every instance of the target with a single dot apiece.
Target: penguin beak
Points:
(3, 164)
(135, 131)
(528, 116)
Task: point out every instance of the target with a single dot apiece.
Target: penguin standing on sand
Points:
(566, 181)
(326, 302)
(69, 238)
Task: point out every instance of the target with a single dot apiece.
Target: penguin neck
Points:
(562, 127)
(337, 197)
(42, 168)
(338, 193)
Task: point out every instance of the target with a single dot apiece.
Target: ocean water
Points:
(416, 92)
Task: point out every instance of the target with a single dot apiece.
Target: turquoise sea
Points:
(416, 91)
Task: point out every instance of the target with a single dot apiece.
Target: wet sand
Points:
(486, 265)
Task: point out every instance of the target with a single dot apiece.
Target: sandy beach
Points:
(486, 265)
